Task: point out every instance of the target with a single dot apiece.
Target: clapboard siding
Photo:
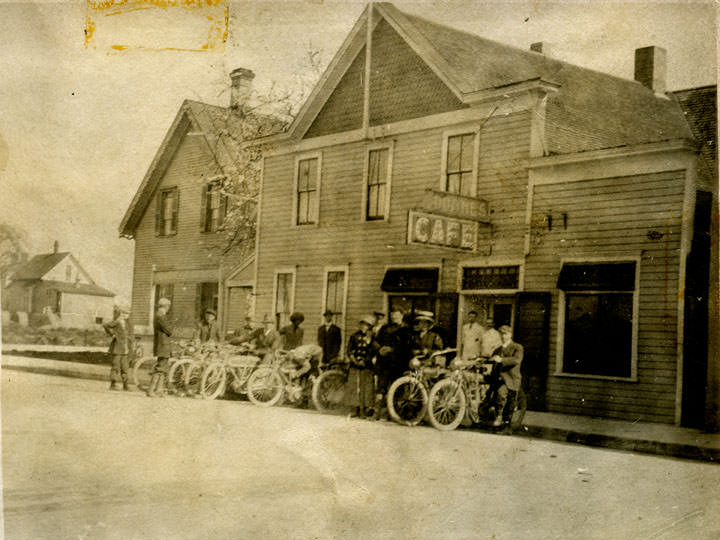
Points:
(611, 217)
(188, 170)
(402, 86)
(343, 238)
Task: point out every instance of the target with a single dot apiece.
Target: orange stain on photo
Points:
(213, 37)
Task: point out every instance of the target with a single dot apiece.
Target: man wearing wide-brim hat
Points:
(427, 339)
(509, 356)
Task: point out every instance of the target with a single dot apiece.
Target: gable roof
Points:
(39, 265)
(223, 129)
(89, 289)
(590, 111)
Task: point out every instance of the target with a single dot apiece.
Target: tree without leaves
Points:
(13, 250)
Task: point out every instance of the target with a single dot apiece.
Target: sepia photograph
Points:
(344, 269)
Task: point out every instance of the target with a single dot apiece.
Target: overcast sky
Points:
(80, 125)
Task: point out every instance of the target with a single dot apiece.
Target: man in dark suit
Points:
(329, 337)
(509, 357)
(121, 347)
(162, 349)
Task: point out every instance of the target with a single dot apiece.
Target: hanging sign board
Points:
(442, 231)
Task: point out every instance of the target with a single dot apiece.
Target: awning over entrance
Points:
(410, 280)
(597, 277)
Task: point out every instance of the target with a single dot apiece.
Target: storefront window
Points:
(491, 277)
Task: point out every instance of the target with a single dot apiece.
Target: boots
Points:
(152, 389)
(160, 390)
(116, 385)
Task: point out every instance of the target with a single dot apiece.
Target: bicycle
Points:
(185, 372)
(407, 397)
(237, 367)
(468, 395)
(273, 383)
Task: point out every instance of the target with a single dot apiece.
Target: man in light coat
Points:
(472, 336)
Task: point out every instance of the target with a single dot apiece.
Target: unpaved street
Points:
(82, 462)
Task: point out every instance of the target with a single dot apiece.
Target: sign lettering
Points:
(442, 231)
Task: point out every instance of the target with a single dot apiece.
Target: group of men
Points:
(377, 353)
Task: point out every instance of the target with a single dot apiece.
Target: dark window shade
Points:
(410, 280)
(597, 277)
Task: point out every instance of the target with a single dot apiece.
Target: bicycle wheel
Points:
(193, 373)
(142, 372)
(328, 390)
(407, 401)
(176, 375)
(447, 405)
(265, 387)
(212, 381)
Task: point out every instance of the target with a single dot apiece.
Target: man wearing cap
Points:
(380, 321)
(329, 337)
(509, 357)
(208, 328)
(292, 334)
(162, 348)
(121, 347)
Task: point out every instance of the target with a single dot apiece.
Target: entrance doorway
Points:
(498, 308)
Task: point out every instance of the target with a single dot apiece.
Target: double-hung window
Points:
(307, 190)
(377, 185)
(166, 216)
(459, 160)
(214, 205)
(284, 293)
(335, 286)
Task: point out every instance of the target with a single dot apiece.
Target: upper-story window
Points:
(214, 207)
(166, 216)
(307, 190)
(377, 184)
(459, 159)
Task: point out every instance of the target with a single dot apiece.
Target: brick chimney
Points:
(541, 47)
(650, 68)
(240, 86)
(56, 246)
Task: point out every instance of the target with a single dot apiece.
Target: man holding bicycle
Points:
(509, 357)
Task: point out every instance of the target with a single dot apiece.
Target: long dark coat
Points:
(161, 340)
(330, 339)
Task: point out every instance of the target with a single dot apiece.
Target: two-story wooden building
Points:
(176, 217)
(435, 169)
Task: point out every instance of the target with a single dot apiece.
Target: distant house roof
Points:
(700, 108)
(590, 111)
(224, 130)
(38, 266)
(79, 288)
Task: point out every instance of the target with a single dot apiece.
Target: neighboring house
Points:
(55, 284)
(434, 169)
(176, 219)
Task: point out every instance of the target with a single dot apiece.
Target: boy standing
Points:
(161, 348)
(121, 347)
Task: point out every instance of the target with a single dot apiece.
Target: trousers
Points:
(506, 402)
(120, 368)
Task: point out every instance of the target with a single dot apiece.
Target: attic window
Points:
(166, 215)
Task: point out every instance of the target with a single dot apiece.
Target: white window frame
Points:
(390, 147)
(560, 340)
(342, 323)
(489, 263)
(467, 130)
(298, 159)
(286, 270)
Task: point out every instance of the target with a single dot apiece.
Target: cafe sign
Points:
(442, 231)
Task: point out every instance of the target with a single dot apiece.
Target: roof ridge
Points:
(526, 52)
